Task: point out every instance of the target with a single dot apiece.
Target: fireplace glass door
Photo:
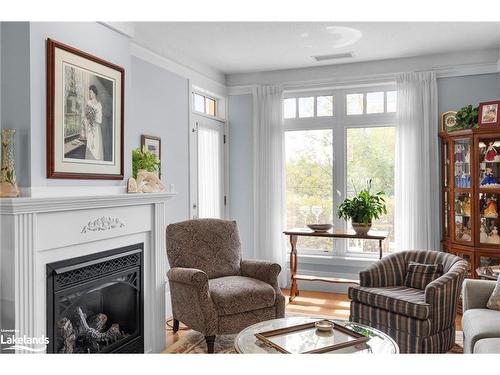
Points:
(97, 304)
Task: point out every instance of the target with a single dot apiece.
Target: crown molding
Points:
(467, 70)
(215, 84)
(461, 70)
(125, 28)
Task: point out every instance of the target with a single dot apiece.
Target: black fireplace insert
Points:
(95, 303)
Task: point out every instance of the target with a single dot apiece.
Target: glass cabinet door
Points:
(461, 163)
(489, 163)
(463, 217)
(489, 222)
(488, 266)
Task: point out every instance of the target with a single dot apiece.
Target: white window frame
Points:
(339, 123)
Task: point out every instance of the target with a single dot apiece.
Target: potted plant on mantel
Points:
(362, 209)
(145, 168)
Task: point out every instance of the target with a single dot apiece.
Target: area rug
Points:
(193, 342)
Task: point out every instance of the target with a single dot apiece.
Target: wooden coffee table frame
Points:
(295, 233)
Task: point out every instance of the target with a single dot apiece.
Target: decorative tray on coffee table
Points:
(313, 337)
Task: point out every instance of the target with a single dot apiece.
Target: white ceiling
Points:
(238, 47)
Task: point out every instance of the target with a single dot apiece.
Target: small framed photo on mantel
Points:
(84, 115)
(488, 114)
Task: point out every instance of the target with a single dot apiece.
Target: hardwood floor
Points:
(307, 303)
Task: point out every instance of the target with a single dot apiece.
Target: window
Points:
(334, 142)
(375, 102)
(324, 106)
(306, 107)
(198, 103)
(392, 100)
(204, 104)
(290, 108)
(370, 153)
(309, 182)
(210, 106)
(354, 104)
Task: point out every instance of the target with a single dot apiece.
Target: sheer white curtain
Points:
(417, 161)
(209, 170)
(269, 176)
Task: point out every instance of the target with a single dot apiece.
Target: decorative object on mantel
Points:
(143, 159)
(153, 145)
(148, 182)
(8, 185)
(132, 185)
(488, 114)
(102, 224)
(362, 209)
(145, 171)
(84, 115)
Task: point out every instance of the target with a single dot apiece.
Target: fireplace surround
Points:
(45, 230)
(95, 303)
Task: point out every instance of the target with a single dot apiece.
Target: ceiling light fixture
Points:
(343, 36)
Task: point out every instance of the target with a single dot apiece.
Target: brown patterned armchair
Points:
(213, 290)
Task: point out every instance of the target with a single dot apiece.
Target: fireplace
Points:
(95, 303)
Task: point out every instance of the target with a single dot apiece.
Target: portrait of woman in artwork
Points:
(92, 122)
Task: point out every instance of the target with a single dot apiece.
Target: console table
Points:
(295, 233)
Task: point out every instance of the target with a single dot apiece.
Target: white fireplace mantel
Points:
(38, 231)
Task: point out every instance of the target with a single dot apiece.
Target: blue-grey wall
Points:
(456, 92)
(159, 106)
(15, 99)
(241, 168)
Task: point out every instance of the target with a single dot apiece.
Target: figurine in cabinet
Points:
(488, 178)
(491, 209)
(466, 207)
(494, 237)
(458, 207)
(466, 234)
(483, 237)
(491, 152)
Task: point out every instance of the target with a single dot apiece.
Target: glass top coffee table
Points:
(247, 343)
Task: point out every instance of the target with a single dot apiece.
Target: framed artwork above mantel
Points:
(85, 115)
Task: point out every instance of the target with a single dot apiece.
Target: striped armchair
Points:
(419, 320)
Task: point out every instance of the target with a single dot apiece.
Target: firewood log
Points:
(112, 334)
(66, 332)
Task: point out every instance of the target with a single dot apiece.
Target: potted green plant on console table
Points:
(362, 209)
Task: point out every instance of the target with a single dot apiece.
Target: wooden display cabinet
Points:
(470, 178)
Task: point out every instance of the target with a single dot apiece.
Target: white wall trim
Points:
(197, 78)
(125, 28)
(374, 79)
